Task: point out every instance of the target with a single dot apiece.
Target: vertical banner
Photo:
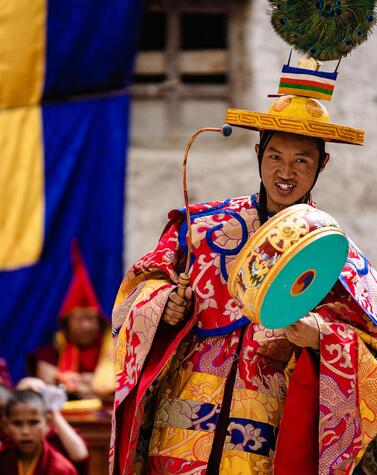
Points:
(64, 122)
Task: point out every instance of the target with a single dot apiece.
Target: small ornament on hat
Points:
(307, 62)
(307, 80)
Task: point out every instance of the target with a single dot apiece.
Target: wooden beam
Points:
(190, 62)
(213, 91)
(150, 62)
(203, 62)
(149, 91)
(187, 91)
(191, 5)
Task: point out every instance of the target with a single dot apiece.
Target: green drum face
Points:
(304, 280)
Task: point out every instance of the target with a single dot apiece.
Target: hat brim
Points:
(324, 130)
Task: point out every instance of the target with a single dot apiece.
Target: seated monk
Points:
(81, 354)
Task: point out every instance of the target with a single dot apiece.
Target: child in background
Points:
(28, 451)
(61, 435)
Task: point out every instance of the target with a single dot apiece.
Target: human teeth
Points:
(285, 186)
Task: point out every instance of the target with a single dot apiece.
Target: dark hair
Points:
(24, 396)
(265, 137)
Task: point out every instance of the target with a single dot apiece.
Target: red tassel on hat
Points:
(80, 291)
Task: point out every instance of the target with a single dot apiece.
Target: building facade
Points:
(196, 58)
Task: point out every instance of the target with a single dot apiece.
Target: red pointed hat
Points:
(80, 292)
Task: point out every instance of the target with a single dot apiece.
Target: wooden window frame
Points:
(173, 90)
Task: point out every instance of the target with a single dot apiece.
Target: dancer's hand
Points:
(177, 307)
(305, 332)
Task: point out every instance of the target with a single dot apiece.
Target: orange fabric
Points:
(30, 470)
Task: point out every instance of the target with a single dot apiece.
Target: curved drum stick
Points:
(184, 277)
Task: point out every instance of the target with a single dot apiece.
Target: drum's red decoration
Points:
(303, 282)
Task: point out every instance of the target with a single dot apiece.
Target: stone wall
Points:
(223, 167)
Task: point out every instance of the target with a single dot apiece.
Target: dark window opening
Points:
(153, 31)
(149, 78)
(203, 31)
(204, 78)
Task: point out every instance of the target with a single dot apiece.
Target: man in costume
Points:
(28, 452)
(81, 355)
(201, 389)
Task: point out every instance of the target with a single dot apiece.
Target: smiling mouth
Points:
(286, 187)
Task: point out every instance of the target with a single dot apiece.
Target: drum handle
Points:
(183, 282)
(184, 277)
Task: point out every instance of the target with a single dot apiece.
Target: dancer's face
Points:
(289, 167)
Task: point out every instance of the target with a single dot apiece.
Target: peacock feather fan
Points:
(324, 29)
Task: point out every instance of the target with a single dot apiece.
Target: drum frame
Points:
(248, 253)
(294, 250)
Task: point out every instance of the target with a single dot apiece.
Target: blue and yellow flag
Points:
(64, 120)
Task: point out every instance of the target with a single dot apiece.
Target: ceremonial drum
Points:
(288, 266)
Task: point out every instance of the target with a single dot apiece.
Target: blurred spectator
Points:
(81, 354)
(5, 378)
(60, 435)
(5, 395)
(27, 450)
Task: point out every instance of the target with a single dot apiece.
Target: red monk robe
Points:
(50, 462)
(54, 440)
(83, 360)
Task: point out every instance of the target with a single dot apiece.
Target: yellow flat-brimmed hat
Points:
(296, 115)
(322, 31)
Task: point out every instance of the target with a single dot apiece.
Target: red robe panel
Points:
(50, 462)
